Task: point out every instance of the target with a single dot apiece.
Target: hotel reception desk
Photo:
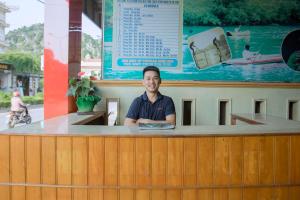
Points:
(57, 160)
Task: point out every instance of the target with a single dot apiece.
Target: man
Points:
(151, 107)
(248, 55)
(294, 60)
(17, 104)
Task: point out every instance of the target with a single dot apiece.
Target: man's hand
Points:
(141, 120)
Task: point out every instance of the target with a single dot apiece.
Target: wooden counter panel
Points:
(133, 168)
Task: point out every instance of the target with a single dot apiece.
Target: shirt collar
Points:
(145, 97)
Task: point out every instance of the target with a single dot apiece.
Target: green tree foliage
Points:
(90, 47)
(27, 39)
(22, 62)
(26, 45)
(241, 12)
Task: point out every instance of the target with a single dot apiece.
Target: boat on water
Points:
(259, 59)
(236, 34)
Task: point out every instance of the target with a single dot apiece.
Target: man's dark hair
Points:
(151, 68)
(247, 46)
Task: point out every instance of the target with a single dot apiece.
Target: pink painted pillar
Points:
(62, 47)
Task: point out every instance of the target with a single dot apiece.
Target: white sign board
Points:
(147, 32)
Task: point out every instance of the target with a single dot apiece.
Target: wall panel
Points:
(156, 168)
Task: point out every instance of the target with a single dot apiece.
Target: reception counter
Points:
(55, 159)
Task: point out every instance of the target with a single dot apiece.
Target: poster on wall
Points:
(147, 33)
(225, 41)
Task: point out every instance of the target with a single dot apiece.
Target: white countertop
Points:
(63, 125)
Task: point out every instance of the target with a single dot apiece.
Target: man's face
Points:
(151, 81)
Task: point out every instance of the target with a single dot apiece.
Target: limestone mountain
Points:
(30, 39)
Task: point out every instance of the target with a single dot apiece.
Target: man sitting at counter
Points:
(152, 106)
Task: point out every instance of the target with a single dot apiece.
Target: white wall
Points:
(207, 100)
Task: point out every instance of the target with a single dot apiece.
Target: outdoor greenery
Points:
(90, 47)
(6, 96)
(22, 62)
(31, 40)
(83, 90)
(241, 12)
(27, 39)
(232, 12)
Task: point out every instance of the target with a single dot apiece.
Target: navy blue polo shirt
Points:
(141, 107)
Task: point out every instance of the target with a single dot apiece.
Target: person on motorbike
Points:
(17, 105)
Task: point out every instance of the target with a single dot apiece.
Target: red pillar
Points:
(62, 54)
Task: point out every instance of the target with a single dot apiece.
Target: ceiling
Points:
(93, 9)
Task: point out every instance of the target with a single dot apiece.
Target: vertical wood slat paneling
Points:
(205, 161)
(48, 160)
(159, 161)
(175, 162)
(126, 194)
(48, 193)
(251, 160)
(282, 159)
(79, 167)
(190, 162)
(17, 193)
(33, 193)
(64, 160)
(220, 194)
(126, 162)
(33, 161)
(78, 151)
(4, 166)
(250, 194)
(33, 166)
(95, 194)
(110, 194)
(64, 194)
(158, 194)
(221, 161)
(142, 194)
(266, 160)
(235, 194)
(269, 193)
(295, 159)
(4, 192)
(173, 194)
(111, 162)
(294, 193)
(143, 161)
(96, 161)
(48, 166)
(79, 194)
(206, 194)
(17, 159)
(235, 161)
(17, 166)
(189, 194)
(64, 167)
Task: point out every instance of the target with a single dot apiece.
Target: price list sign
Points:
(147, 32)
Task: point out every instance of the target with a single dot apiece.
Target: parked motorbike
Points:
(19, 117)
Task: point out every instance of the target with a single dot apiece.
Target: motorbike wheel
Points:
(12, 123)
(28, 120)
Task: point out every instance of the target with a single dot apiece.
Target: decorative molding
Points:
(137, 83)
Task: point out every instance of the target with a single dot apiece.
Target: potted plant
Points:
(83, 90)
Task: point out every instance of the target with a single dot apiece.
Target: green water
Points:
(265, 39)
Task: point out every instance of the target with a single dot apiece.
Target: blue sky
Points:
(29, 12)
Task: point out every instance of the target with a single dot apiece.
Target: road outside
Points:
(36, 113)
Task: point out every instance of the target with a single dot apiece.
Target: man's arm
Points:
(129, 122)
(169, 119)
(21, 103)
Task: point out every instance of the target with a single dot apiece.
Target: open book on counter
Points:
(155, 126)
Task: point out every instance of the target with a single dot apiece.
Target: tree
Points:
(22, 62)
